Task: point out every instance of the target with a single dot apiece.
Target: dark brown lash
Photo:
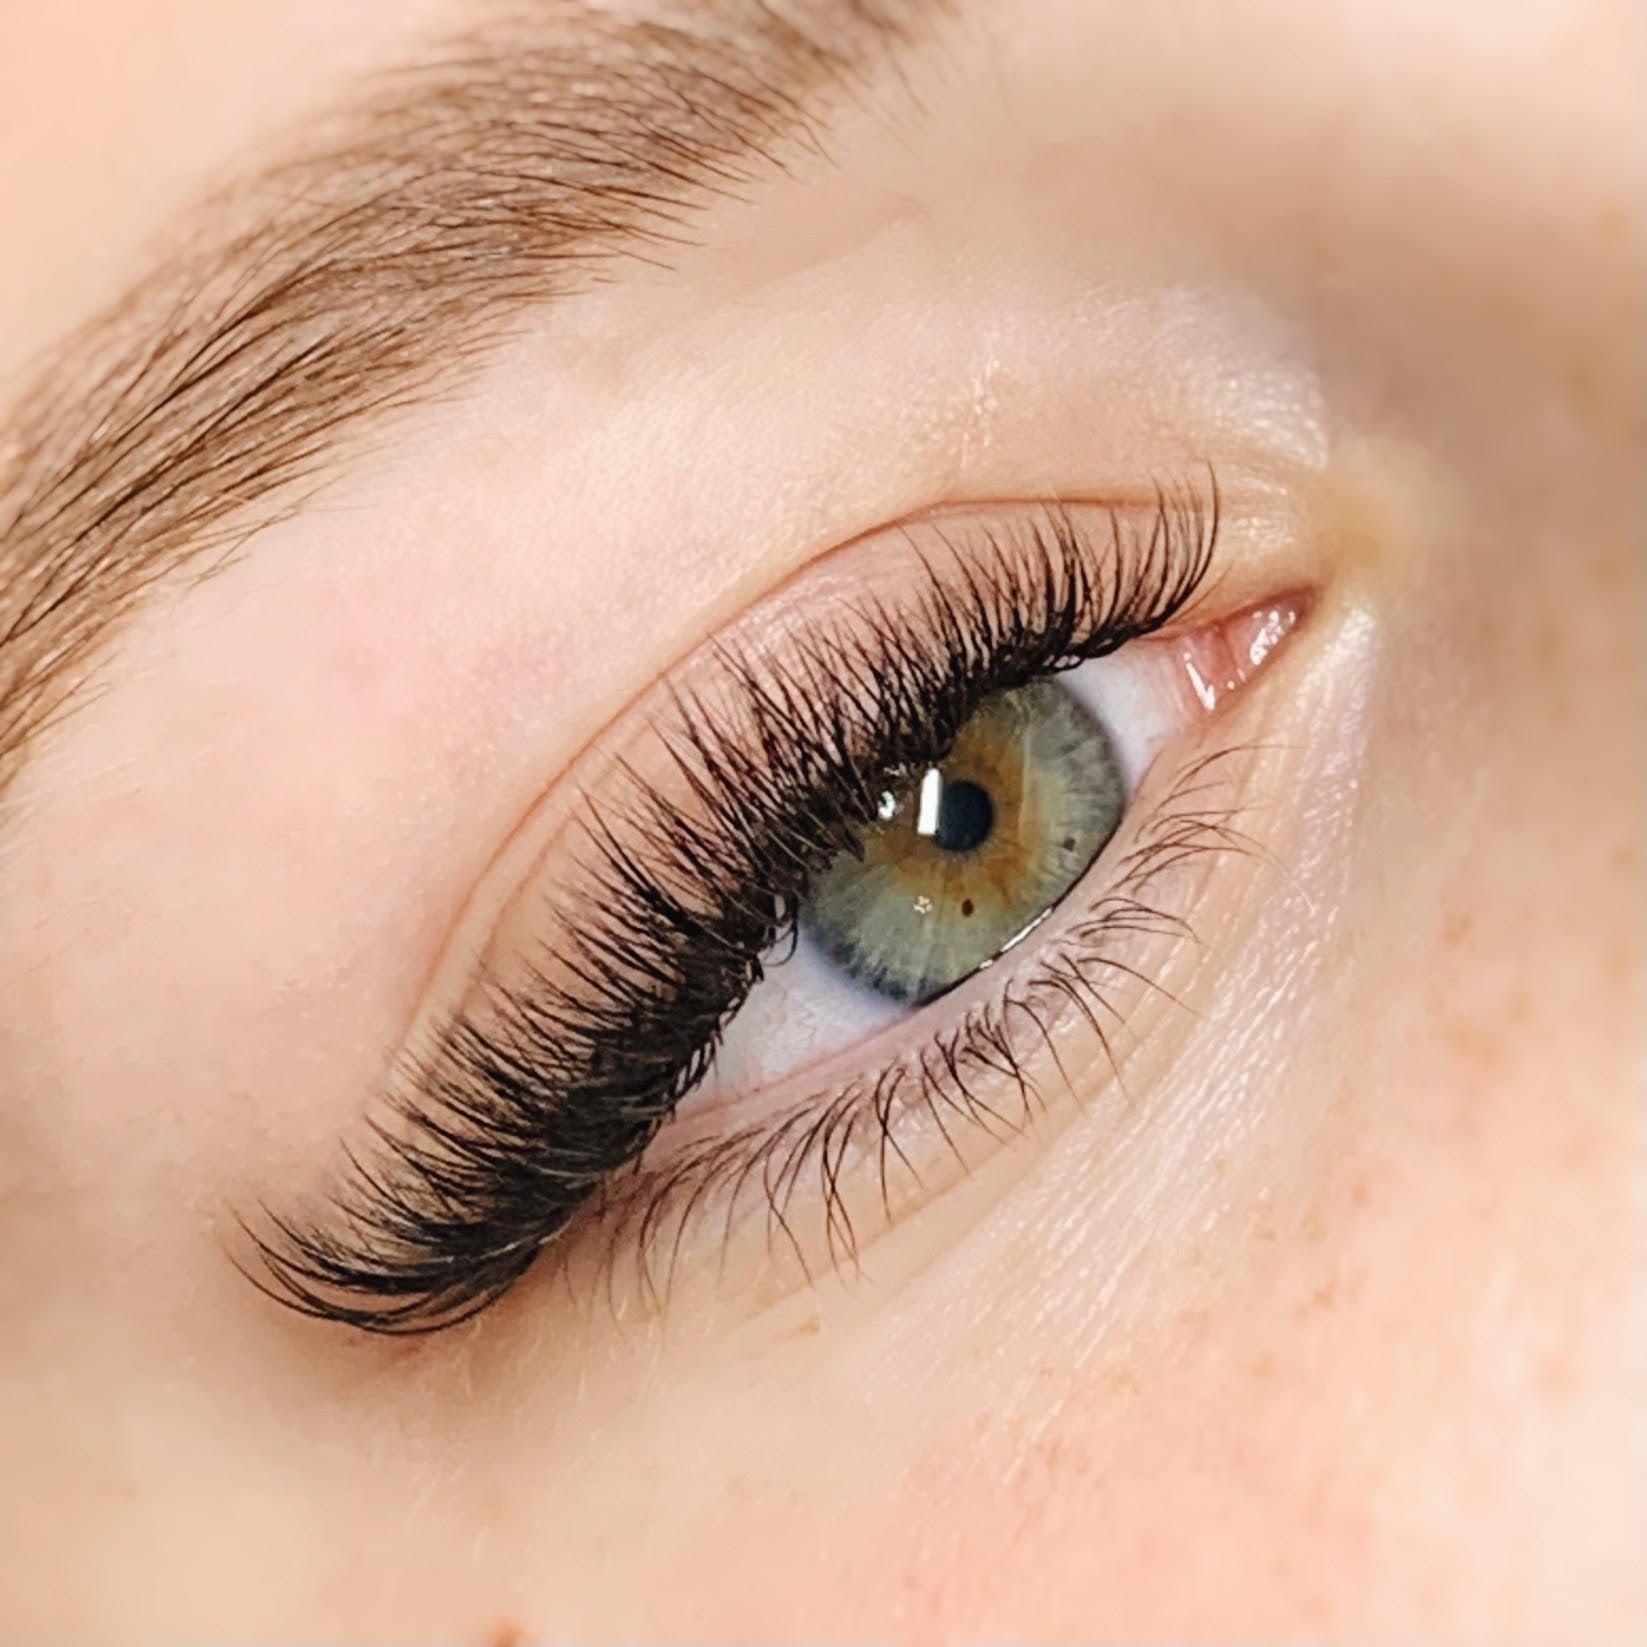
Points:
(522, 1110)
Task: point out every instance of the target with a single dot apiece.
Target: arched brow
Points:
(369, 268)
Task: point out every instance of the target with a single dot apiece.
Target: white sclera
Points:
(803, 1010)
(1137, 695)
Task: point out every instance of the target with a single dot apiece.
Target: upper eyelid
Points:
(1264, 545)
(848, 579)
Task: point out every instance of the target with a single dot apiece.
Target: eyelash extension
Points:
(514, 1117)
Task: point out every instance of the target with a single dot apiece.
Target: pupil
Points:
(965, 816)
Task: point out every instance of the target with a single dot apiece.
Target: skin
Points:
(1330, 1324)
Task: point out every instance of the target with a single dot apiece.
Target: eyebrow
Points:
(368, 271)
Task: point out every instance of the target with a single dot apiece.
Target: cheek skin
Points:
(1298, 1444)
(1398, 1394)
(1387, 1386)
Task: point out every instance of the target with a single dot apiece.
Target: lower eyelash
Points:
(801, 1159)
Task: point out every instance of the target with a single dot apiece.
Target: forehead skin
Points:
(1348, 1345)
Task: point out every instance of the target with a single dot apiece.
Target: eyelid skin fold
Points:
(687, 842)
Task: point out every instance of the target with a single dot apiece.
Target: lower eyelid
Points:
(810, 1169)
(818, 1171)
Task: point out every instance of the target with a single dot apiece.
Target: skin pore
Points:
(1324, 1318)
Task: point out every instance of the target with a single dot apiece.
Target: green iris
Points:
(968, 855)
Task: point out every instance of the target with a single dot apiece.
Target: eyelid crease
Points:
(1264, 546)
(679, 867)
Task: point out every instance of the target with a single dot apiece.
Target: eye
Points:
(862, 859)
(966, 855)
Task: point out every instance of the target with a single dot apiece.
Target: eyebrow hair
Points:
(372, 268)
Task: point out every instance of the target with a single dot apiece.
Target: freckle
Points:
(1360, 1194)
(1475, 1045)
(1615, 224)
(1195, 1324)
(1120, 1380)
(1060, 1456)
(1456, 928)
(1262, 1368)
(1264, 1232)
(1314, 1223)
(1323, 1298)
(1553, 1378)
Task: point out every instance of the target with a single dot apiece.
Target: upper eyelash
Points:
(510, 1121)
